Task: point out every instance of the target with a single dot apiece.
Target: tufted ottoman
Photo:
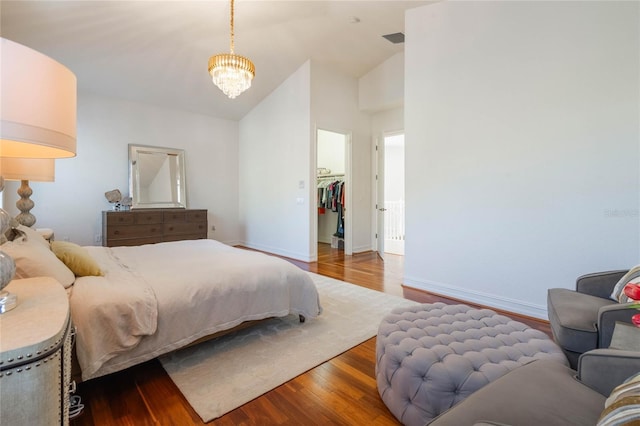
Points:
(430, 357)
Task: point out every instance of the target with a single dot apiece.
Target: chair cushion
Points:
(542, 392)
(574, 317)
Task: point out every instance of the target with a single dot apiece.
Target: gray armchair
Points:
(546, 393)
(583, 319)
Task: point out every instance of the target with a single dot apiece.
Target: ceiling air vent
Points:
(395, 38)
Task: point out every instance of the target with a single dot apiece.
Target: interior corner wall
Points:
(382, 88)
(72, 205)
(334, 100)
(275, 170)
(522, 147)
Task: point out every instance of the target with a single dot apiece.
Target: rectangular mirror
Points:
(156, 177)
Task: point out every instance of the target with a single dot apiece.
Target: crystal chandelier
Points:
(230, 72)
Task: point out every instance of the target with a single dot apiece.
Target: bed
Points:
(132, 304)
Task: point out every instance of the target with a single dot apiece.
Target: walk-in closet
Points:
(331, 187)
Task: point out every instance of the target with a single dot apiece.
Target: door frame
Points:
(348, 227)
(378, 185)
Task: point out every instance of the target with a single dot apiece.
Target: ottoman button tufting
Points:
(431, 356)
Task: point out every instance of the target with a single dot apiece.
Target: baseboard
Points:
(489, 300)
(361, 249)
(274, 250)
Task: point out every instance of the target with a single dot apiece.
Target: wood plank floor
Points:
(341, 391)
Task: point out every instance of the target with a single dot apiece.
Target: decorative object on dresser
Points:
(137, 227)
(157, 177)
(24, 170)
(35, 362)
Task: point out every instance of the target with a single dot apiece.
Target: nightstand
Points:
(35, 355)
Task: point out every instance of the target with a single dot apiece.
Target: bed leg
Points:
(302, 318)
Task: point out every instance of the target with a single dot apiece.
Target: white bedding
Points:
(156, 298)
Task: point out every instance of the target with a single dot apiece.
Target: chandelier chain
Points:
(230, 72)
(231, 25)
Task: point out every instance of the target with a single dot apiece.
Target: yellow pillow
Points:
(76, 258)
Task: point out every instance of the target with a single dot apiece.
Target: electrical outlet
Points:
(98, 239)
(213, 227)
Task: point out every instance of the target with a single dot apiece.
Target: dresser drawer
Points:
(196, 216)
(119, 218)
(147, 217)
(138, 231)
(185, 228)
(171, 216)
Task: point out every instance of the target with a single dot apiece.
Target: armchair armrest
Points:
(604, 369)
(607, 317)
(599, 284)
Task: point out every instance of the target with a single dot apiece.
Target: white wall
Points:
(278, 162)
(334, 100)
(382, 88)
(72, 205)
(275, 161)
(522, 147)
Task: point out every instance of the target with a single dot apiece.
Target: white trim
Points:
(489, 300)
(291, 255)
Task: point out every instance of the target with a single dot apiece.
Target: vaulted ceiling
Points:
(156, 52)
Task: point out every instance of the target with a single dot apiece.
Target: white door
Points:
(394, 229)
(380, 197)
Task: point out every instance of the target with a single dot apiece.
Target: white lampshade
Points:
(34, 169)
(38, 104)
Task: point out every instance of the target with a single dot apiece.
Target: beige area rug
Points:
(222, 374)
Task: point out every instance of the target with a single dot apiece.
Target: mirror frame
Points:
(179, 184)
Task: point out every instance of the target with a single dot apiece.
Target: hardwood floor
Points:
(341, 391)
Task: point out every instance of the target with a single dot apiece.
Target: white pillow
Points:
(33, 235)
(34, 259)
(618, 291)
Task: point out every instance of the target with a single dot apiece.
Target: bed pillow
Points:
(34, 259)
(76, 258)
(33, 235)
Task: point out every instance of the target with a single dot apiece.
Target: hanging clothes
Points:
(331, 196)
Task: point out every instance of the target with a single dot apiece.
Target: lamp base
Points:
(8, 301)
(25, 204)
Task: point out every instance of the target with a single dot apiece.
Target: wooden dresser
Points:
(137, 227)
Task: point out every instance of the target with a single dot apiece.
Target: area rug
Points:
(222, 374)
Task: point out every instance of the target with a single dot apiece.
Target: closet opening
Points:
(331, 183)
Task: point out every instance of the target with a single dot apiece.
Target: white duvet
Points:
(156, 298)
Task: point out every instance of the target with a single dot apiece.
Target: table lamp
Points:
(25, 170)
(38, 103)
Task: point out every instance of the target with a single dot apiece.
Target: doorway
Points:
(390, 203)
(332, 162)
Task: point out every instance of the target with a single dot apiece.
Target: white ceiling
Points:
(157, 52)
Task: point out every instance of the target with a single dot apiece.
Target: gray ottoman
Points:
(430, 357)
